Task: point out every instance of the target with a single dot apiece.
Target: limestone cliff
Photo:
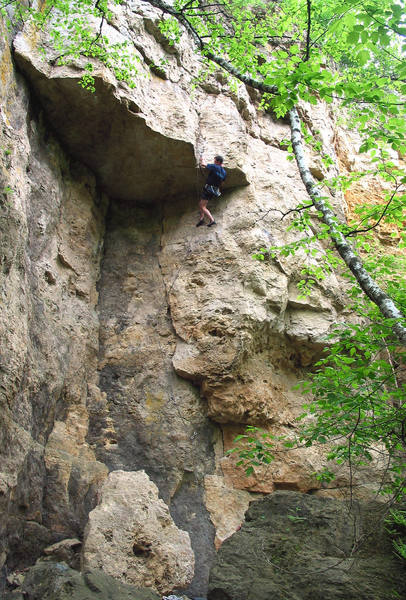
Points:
(130, 340)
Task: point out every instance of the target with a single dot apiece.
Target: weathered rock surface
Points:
(56, 581)
(227, 506)
(131, 536)
(126, 136)
(130, 339)
(52, 224)
(67, 551)
(300, 547)
(146, 416)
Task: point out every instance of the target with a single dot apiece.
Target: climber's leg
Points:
(204, 211)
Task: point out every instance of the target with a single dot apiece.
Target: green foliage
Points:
(270, 42)
(359, 386)
(171, 29)
(254, 448)
(295, 517)
(257, 447)
(358, 409)
(353, 53)
(359, 391)
(5, 197)
(396, 527)
(347, 50)
(75, 29)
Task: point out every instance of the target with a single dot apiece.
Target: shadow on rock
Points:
(56, 581)
(294, 546)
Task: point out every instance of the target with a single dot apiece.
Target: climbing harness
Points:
(212, 189)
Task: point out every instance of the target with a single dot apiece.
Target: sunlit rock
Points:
(132, 537)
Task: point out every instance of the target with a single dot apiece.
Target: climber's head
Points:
(218, 159)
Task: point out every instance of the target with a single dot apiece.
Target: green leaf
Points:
(353, 37)
(363, 57)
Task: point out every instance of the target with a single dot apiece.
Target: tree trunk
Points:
(344, 248)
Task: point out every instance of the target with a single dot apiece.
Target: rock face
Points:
(52, 226)
(130, 339)
(306, 548)
(131, 536)
(145, 416)
(56, 581)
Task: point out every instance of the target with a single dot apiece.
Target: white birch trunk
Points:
(343, 246)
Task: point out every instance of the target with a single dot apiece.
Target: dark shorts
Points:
(207, 194)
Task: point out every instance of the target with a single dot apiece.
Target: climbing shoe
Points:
(211, 223)
(200, 223)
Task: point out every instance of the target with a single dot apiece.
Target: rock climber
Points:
(215, 178)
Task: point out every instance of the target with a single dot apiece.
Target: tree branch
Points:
(355, 231)
(383, 24)
(285, 214)
(309, 25)
(102, 21)
(5, 4)
(258, 85)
